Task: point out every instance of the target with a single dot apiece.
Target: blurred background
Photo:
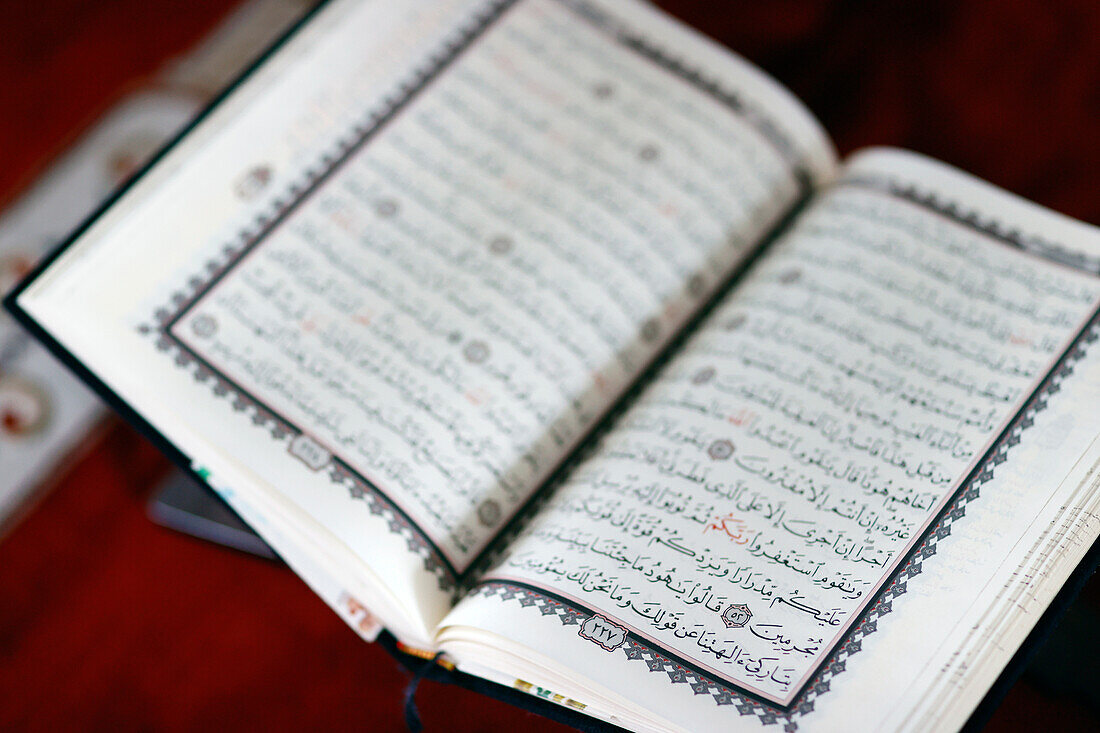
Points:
(109, 620)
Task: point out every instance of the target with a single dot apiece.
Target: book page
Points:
(1019, 530)
(402, 335)
(736, 527)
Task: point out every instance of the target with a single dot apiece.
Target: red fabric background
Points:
(109, 622)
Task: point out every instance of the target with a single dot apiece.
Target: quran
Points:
(555, 339)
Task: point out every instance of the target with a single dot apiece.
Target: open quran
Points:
(555, 340)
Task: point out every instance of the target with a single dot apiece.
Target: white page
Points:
(678, 99)
(679, 546)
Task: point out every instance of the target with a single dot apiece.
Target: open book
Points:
(552, 337)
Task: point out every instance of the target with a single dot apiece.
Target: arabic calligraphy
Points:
(798, 446)
(462, 299)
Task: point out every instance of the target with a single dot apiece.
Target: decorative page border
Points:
(1011, 236)
(255, 232)
(679, 670)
